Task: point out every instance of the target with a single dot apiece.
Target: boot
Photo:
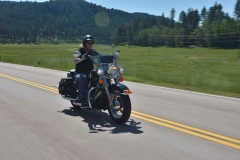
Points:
(83, 101)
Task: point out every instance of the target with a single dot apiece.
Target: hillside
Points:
(58, 20)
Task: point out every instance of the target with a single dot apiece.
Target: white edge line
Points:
(179, 90)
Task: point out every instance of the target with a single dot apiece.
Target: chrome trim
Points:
(117, 105)
(68, 98)
(89, 93)
(108, 94)
(97, 95)
(116, 80)
(79, 104)
(123, 94)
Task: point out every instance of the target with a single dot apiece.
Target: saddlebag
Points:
(66, 87)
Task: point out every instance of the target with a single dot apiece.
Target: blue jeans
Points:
(81, 80)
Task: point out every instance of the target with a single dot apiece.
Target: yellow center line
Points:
(189, 132)
(51, 89)
(187, 127)
(231, 142)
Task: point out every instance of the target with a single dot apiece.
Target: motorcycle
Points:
(104, 91)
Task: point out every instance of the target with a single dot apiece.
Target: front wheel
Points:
(121, 111)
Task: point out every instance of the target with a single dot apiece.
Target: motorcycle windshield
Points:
(106, 58)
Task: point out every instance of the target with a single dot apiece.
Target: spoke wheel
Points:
(121, 111)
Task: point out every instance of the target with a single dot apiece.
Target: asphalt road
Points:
(36, 123)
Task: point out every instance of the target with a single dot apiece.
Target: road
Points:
(36, 123)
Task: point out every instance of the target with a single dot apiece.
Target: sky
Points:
(157, 7)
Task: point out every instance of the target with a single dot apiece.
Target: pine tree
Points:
(237, 9)
(172, 16)
(203, 14)
(183, 19)
(162, 20)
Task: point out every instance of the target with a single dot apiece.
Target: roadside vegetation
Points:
(215, 71)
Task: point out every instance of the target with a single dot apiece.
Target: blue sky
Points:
(157, 7)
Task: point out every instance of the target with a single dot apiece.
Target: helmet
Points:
(88, 38)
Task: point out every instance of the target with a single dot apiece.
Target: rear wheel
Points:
(121, 111)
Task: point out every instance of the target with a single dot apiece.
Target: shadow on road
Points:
(99, 121)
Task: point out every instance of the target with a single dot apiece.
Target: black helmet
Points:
(88, 38)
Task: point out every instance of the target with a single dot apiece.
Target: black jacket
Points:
(85, 66)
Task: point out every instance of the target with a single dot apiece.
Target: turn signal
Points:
(120, 79)
(100, 81)
(127, 91)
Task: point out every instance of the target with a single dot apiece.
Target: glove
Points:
(76, 55)
(83, 57)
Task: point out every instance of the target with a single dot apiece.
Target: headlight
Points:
(100, 72)
(121, 70)
(111, 69)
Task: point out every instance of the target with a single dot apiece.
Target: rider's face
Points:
(89, 44)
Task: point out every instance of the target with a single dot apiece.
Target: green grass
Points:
(215, 71)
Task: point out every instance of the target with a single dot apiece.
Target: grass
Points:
(215, 71)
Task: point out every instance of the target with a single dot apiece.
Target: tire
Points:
(121, 115)
(75, 106)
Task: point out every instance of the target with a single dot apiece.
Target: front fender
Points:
(123, 89)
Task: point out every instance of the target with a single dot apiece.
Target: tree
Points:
(153, 21)
(162, 20)
(203, 14)
(237, 9)
(183, 19)
(215, 13)
(193, 19)
(172, 16)
(120, 34)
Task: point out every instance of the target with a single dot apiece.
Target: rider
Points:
(84, 66)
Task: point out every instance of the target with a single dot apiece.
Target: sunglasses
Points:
(89, 42)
